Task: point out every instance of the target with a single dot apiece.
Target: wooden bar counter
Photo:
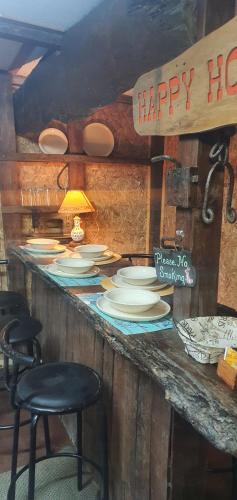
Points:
(164, 409)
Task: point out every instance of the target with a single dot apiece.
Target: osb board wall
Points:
(119, 193)
(121, 196)
(227, 291)
(228, 256)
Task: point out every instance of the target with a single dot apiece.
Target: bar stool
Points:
(23, 334)
(52, 389)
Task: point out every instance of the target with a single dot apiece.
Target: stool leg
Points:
(234, 478)
(31, 483)
(79, 451)
(47, 436)
(12, 493)
(105, 458)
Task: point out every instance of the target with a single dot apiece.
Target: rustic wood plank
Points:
(24, 32)
(160, 446)
(50, 158)
(143, 444)
(193, 93)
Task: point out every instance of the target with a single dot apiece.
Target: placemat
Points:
(127, 327)
(69, 282)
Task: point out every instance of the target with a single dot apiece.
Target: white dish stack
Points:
(143, 304)
(98, 253)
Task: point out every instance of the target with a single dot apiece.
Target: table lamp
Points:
(76, 202)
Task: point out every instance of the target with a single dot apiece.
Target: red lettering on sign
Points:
(174, 92)
(188, 85)
(142, 106)
(152, 110)
(215, 79)
(231, 89)
(162, 97)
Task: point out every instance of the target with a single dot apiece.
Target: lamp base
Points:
(77, 233)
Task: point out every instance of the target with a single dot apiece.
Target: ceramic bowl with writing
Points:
(42, 243)
(210, 331)
(136, 302)
(74, 266)
(91, 251)
(138, 275)
(204, 355)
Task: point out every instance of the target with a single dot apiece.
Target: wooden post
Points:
(76, 171)
(156, 177)
(203, 240)
(10, 223)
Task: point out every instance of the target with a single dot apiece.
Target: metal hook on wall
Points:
(219, 154)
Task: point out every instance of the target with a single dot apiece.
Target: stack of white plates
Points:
(99, 253)
(43, 246)
(205, 338)
(141, 305)
(69, 267)
(137, 277)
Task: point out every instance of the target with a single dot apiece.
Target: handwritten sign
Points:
(173, 266)
(197, 91)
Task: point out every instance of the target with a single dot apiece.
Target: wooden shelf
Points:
(67, 158)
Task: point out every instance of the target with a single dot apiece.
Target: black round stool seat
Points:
(26, 330)
(58, 388)
(12, 305)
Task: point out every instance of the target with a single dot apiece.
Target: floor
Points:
(55, 479)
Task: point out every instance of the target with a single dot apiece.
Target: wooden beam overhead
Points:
(22, 32)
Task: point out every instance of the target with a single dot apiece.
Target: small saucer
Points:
(120, 283)
(53, 269)
(156, 312)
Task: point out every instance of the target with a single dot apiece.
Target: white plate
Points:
(156, 312)
(53, 141)
(107, 255)
(120, 283)
(57, 249)
(98, 140)
(52, 269)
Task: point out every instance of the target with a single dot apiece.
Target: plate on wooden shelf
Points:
(120, 283)
(160, 310)
(57, 249)
(53, 141)
(107, 285)
(98, 140)
(53, 269)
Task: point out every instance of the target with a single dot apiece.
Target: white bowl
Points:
(91, 251)
(74, 266)
(42, 243)
(53, 141)
(138, 275)
(135, 302)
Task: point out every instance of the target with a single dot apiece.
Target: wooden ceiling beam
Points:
(22, 32)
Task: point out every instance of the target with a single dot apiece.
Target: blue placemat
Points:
(68, 282)
(127, 327)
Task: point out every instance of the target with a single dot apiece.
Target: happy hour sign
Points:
(175, 267)
(197, 91)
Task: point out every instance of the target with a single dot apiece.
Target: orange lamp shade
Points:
(76, 202)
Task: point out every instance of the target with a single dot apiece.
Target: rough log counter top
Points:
(146, 377)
